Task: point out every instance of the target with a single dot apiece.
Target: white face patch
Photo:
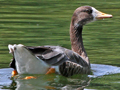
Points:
(94, 13)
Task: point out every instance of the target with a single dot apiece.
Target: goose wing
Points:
(56, 55)
(53, 55)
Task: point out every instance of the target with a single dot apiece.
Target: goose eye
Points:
(88, 11)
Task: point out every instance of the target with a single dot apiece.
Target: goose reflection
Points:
(52, 82)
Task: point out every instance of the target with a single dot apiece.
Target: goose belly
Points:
(27, 63)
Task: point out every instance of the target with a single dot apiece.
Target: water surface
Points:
(38, 22)
(54, 81)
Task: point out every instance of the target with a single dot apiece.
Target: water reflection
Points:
(50, 82)
(53, 81)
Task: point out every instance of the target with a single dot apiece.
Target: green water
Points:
(46, 22)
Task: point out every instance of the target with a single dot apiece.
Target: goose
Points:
(56, 59)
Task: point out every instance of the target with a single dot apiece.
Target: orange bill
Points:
(101, 15)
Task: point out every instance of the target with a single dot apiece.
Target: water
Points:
(53, 81)
(39, 22)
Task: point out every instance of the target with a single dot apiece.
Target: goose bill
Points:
(101, 15)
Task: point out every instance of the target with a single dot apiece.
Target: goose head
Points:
(86, 14)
